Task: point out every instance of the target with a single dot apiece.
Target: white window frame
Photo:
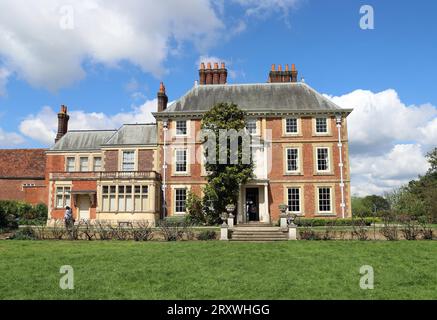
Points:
(66, 164)
(87, 164)
(331, 205)
(300, 199)
(186, 128)
(175, 190)
(297, 160)
(328, 159)
(284, 123)
(122, 168)
(176, 171)
(256, 126)
(94, 163)
(63, 195)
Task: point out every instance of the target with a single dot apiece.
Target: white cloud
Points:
(388, 139)
(42, 127)
(4, 75)
(264, 7)
(10, 139)
(37, 49)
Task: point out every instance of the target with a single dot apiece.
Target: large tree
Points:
(228, 163)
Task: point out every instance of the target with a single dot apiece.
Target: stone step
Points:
(258, 239)
(259, 234)
(257, 229)
(254, 224)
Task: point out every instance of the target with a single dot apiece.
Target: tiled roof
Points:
(83, 140)
(282, 97)
(22, 163)
(134, 134)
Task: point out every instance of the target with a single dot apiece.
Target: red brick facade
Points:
(22, 175)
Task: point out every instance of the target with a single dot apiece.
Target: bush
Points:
(322, 222)
(26, 233)
(308, 234)
(195, 209)
(13, 213)
(207, 235)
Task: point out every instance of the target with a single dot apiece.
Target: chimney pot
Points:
(63, 118)
(293, 67)
(280, 67)
(209, 65)
(223, 65)
(215, 65)
(273, 67)
(286, 67)
(162, 98)
(202, 65)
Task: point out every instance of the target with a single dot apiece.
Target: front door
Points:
(83, 206)
(252, 204)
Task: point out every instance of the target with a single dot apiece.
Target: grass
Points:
(218, 270)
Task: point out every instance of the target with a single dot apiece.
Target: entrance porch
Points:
(253, 203)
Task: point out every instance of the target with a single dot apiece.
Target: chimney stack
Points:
(162, 98)
(63, 118)
(212, 76)
(280, 76)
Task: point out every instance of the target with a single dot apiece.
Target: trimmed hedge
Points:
(322, 222)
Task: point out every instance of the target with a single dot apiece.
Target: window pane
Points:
(59, 190)
(251, 126)
(181, 160)
(137, 203)
(128, 189)
(145, 190)
(97, 164)
(128, 161)
(321, 125)
(70, 164)
(112, 203)
(105, 203)
(292, 159)
(59, 201)
(112, 189)
(322, 159)
(137, 189)
(67, 200)
(83, 164)
(294, 199)
(325, 199)
(120, 189)
(181, 127)
(129, 204)
(105, 189)
(121, 206)
(181, 196)
(291, 125)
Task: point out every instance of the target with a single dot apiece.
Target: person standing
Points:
(68, 217)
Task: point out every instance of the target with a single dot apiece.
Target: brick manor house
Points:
(145, 171)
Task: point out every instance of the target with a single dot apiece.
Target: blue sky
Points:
(110, 63)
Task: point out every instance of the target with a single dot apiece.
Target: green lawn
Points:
(218, 270)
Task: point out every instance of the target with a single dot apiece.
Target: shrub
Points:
(359, 231)
(195, 209)
(13, 213)
(26, 233)
(308, 234)
(427, 231)
(322, 222)
(410, 228)
(207, 235)
(142, 231)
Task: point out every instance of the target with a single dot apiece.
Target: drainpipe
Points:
(340, 147)
(164, 171)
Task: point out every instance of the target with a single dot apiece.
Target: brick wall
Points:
(145, 160)
(110, 158)
(12, 189)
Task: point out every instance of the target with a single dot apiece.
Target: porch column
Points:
(241, 213)
(266, 200)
